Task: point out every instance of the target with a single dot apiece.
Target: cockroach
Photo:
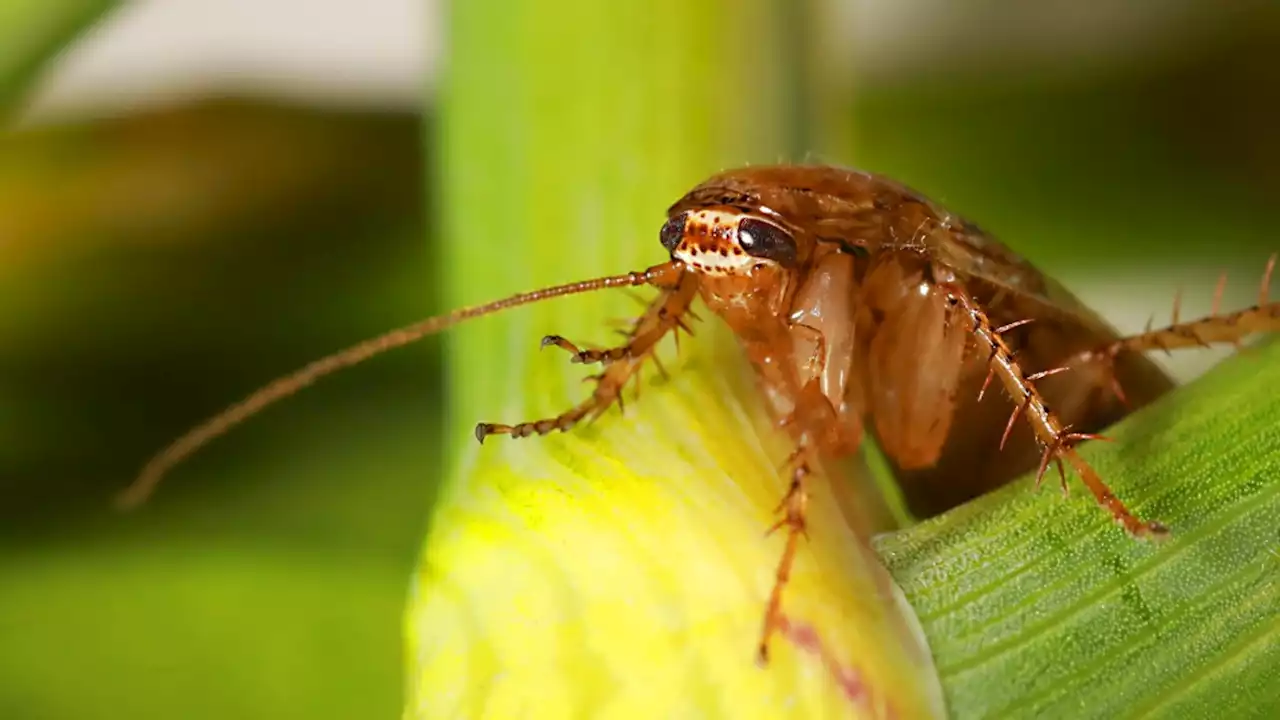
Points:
(864, 308)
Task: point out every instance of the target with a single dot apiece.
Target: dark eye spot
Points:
(857, 251)
(673, 231)
(766, 240)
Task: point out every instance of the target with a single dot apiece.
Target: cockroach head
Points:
(728, 241)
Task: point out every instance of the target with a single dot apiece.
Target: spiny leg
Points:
(812, 410)
(664, 275)
(592, 355)
(1058, 441)
(588, 355)
(792, 508)
(664, 315)
(1217, 328)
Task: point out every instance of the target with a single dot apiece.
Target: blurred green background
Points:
(158, 262)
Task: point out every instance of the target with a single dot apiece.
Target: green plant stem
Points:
(566, 129)
(624, 565)
(32, 32)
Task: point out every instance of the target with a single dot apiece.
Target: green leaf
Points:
(160, 622)
(1039, 607)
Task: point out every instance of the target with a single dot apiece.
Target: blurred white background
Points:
(159, 51)
(384, 52)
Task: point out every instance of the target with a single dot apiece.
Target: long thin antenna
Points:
(283, 387)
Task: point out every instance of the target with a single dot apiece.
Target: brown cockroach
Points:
(862, 307)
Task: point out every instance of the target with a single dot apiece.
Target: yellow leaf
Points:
(622, 569)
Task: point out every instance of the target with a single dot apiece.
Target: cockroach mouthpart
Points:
(864, 308)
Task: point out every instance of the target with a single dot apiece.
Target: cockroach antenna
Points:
(199, 436)
(861, 304)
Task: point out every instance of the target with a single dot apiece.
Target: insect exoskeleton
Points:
(858, 302)
(728, 242)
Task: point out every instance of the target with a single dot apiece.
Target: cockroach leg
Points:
(812, 424)
(792, 508)
(1050, 455)
(587, 356)
(1015, 324)
(666, 275)
(1176, 315)
(1217, 295)
(1215, 329)
(665, 315)
(592, 355)
(817, 356)
(662, 369)
(1059, 443)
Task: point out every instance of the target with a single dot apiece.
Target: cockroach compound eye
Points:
(863, 307)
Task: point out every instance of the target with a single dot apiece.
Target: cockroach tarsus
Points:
(864, 309)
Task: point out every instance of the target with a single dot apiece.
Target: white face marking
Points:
(712, 244)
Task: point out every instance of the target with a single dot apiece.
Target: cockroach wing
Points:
(1011, 290)
(912, 361)
(920, 382)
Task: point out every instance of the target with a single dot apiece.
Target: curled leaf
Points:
(623, 569)
(1039, 607)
